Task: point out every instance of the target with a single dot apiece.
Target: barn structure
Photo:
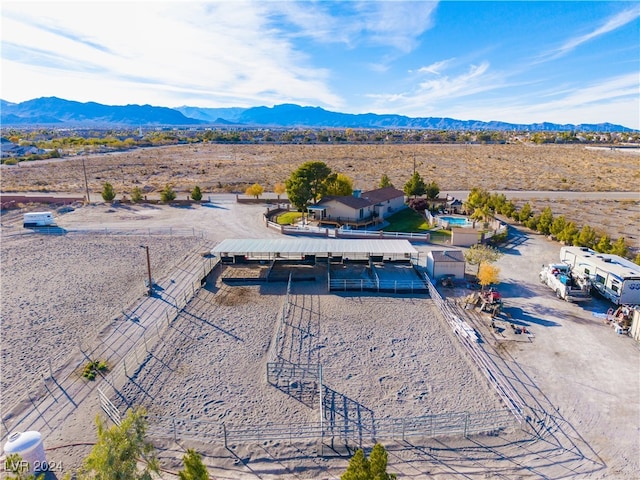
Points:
(345, 264)
(315, 249)
(442, 263)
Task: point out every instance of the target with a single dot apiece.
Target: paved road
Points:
(461, 194)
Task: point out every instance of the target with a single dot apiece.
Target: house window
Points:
(361, 212)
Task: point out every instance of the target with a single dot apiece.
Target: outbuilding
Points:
(445, 262)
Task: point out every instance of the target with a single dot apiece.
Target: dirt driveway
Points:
(575, 368)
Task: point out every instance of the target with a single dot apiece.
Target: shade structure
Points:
(321, 247)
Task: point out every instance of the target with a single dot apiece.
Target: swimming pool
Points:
(457, 221)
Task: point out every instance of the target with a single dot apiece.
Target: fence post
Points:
(466, 424)
(124, 361)
(175, 430)
(224, 432)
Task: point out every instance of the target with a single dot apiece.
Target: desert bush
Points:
(92, 368)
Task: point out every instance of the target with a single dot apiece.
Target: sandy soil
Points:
(226, 168)
(576, 369)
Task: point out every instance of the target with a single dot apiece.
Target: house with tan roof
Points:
(361, 209)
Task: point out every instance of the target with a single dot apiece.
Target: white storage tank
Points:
(29, 446)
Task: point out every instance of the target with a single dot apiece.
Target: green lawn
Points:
(410, 221)
(289, 218)
(407, 220)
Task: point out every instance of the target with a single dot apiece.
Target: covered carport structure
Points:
(311, 249)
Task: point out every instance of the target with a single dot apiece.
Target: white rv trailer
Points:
(614, 277)
(38, 219)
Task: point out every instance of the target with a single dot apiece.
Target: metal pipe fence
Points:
(127, 331)
(452, 315)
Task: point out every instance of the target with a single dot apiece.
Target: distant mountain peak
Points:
(60, 112)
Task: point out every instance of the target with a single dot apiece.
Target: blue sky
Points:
(524, 62)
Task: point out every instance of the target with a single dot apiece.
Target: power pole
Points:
(86, 184)
(146, 247)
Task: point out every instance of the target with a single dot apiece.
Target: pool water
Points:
(456, 220)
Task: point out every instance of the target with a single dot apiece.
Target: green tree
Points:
(117, 450)
(358, 468)
(167, 194)
(415, 186)
(378, 460)
(619, 248)
(637, 259)
(524, 213)
(558, 226)
(569, 233)
(477, 198)
(255, 190)
(385, 181)
(194, 469)
(108, 193)
(586, 237)
(14, 464)
(432, 190)
(545, 222)
(307, 184)
(136, 195)
(196, 194)
(373, 468)
(480, 253)
(339, 184)
(603, 245)
(533, 222)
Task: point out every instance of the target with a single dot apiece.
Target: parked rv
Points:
(38, 219)
(614, 277)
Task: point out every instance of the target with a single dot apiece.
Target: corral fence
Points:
(341, 419)
(140, 232)
(453, 315)
(352, 433)
(141, 341)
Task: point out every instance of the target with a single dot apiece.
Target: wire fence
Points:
(149, 231)
(453, 315)
(125, 348)
(353, 424)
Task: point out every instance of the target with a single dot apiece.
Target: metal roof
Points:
(447, 255)
(313, 246)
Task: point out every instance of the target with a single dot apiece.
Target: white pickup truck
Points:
(559, 278)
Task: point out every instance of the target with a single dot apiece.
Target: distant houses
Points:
(11, 150)
(361, 209)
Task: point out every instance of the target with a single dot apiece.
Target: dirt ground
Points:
(574, 372)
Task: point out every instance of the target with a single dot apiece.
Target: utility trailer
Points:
(615, 278)
(38, 219)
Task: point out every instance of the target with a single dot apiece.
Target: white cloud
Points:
(156, 52)
(436, 68)
(379, 23)
(611, 24)
(438, 91)
(614, 98)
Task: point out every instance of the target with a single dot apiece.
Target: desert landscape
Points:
(392, 354)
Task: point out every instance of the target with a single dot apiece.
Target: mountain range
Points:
(57, 112)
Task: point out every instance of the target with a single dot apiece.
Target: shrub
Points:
(108, 193)
(196, 194)
(136, 195)
(92, 368)
(167, 194)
